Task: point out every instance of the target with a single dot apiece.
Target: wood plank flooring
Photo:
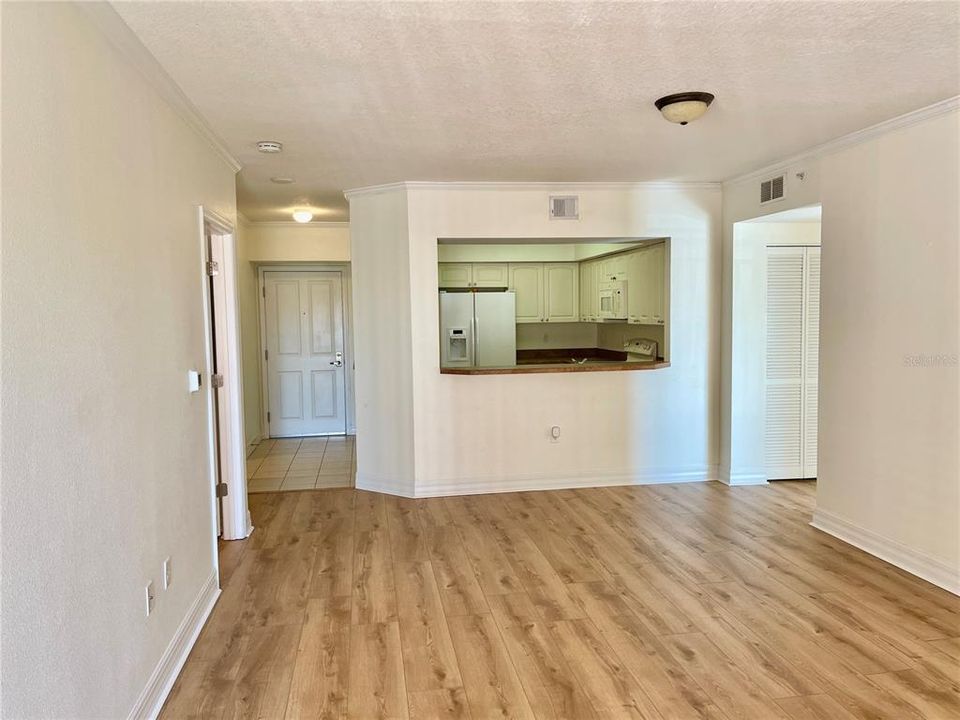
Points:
(667, 602)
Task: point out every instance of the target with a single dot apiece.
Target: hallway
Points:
(302, 464)
(679, 601)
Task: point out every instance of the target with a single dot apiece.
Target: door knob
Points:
(338, 360)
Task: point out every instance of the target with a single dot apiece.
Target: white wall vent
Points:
(771, 189)
(565, 207)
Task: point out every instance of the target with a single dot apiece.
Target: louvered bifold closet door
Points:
(811, 359)
(785, 362)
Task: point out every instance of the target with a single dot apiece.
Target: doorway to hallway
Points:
(774, 336)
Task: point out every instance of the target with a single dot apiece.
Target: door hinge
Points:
(268, 416)
(266, 354)
(212, 268)
(216, 380)
(222, 490)
(263, 291)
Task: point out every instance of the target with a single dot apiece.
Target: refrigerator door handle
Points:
(476, 340)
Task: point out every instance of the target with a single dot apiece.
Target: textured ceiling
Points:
(363, 93)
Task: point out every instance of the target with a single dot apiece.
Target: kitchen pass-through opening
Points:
(553, 304)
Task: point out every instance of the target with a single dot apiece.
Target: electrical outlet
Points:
(167, 573)
(555, 434)
(151, 598)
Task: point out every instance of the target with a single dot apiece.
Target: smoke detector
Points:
(269, 146)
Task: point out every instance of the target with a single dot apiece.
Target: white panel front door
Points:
(305, 353)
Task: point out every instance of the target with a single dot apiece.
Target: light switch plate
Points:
(193, 380)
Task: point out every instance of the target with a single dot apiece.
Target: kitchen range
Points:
(520, 308)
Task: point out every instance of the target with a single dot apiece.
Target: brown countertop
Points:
(601, 366)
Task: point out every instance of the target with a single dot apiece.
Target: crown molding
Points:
(855, 138)
(119, 34)
(531, 185)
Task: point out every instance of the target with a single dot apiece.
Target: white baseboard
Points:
(388, 486)
(551, 481)
(151, 700)
(893, 552)
(749, 476)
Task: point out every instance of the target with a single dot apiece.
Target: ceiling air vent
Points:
(771, 189)
(566, 207)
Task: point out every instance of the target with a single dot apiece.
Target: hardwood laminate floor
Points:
(668, 602)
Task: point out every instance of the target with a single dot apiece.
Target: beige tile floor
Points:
(301, 464)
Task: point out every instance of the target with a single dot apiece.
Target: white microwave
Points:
(613, 300)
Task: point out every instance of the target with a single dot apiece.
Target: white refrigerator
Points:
(478, 329)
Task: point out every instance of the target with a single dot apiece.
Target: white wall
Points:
(766, 234)
(247, 282)
(299, 242)
(282, 244)
(382, 341)
(105, 456)
(481, 433)
(888, 442)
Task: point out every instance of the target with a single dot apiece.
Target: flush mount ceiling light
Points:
(684, 107)
(282, 180)
(302, 216)
(269, 146)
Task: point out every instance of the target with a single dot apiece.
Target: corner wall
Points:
(384, 369)
(249, 333)
(105, 452)
(889, 437)
(490, 433)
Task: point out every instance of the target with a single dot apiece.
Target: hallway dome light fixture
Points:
(302, 216)
(684, 107)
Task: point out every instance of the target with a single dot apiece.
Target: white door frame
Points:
(346, 304)
(236, 518)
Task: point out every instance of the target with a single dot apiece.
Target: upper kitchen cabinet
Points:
(614, 268)
(546, 292)
(561, 281)
(473, 275)
(645, 285)
(526, 280)
(455, 275)
(589, 287)
(490, 275)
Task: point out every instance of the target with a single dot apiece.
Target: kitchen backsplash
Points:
(546, 336)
